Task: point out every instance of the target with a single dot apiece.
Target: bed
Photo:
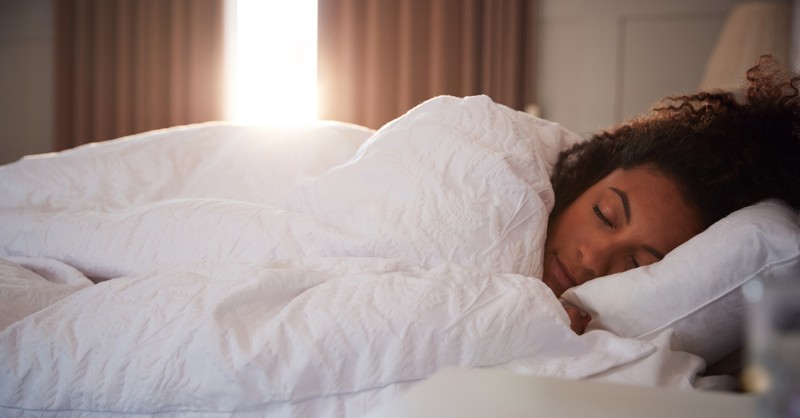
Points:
(322, 270)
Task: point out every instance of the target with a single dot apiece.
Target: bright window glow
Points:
(273, 61)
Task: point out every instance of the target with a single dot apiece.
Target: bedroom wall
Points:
(26, 80)
(602, 62)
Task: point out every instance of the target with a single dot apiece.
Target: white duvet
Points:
(316, 271)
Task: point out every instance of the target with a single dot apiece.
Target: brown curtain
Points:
(129, 66)
(379, 58)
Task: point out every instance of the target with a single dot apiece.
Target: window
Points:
(272, 61)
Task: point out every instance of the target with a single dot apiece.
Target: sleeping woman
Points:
(629, 195)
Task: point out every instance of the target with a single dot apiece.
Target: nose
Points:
(597, 257)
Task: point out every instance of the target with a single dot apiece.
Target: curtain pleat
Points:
(378, 58)
(129, 66)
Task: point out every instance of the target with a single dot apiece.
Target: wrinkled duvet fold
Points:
(314, 270)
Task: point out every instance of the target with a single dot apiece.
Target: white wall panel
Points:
(663, 55)
(603, 61)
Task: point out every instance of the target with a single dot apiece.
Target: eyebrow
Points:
(626, 205)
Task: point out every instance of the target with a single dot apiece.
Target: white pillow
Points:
(695, 289)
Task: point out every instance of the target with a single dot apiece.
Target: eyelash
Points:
(599, 214)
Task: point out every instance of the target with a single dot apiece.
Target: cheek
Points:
(552, 235)
(572, 225)
(674, 228)
(557, 231)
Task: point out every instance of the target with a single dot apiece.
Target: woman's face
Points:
(628, 219)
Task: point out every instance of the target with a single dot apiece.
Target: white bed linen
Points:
(313, 271)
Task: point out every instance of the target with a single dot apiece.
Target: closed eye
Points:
(599, 214)
(633, 261)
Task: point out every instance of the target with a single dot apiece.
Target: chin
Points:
(553, 285)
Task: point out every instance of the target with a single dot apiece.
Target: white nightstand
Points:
(473, 393)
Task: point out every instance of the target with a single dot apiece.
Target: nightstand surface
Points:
(472, 393)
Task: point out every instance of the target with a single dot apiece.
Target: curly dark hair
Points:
(724, 153)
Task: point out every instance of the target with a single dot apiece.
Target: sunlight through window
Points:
(273, 61)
